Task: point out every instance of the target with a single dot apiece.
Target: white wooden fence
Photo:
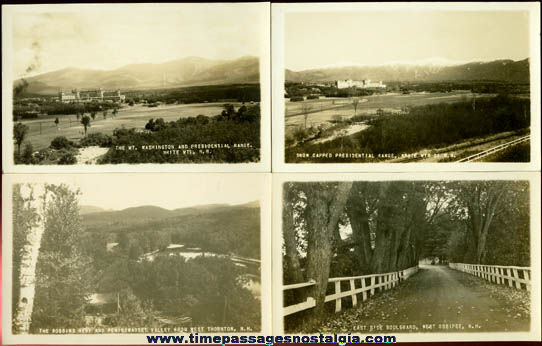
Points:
(518, 277)
(494, 149)
(365, 285)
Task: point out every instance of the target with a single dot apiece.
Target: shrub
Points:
(27, 156)
(300, 134)
(296, 98)
(61, 142)
(289, 140)
(67, 159)
(96, 139)
(157, 125)
(313, 97)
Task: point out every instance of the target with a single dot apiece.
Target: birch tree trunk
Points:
(294, 274)
(36, 195)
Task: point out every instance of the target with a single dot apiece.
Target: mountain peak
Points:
(434, 69)
(187, 71)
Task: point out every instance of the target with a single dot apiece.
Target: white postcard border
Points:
(8, 338)
(535, 202)
(279, 11)
(264, 165)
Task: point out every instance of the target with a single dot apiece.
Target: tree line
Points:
(30, 110)
(198, 94)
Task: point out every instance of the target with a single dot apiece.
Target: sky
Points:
(171, 191)
(49, 38)
(315, 40)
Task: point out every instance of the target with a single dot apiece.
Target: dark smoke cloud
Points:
(36, 62)
(20, 87)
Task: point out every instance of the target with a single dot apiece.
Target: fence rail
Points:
(518, 277)
(494, 149)
(368, 284)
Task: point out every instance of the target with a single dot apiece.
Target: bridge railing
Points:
(366, 285)
(518, 277)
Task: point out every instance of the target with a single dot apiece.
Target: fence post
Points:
(491, 276)
(388, 281)
(337, 292)
(354, 296)
(518, 284)
(364, 292)
(510, 277)
(373, 282)
(527, 278)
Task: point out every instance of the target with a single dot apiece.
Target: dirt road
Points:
(438, 299)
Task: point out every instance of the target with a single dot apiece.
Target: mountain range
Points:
(188, 71)
(96, 215)
(221, 228)
(498, 70)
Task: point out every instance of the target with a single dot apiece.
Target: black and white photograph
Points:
(412, 256)
(364, 83)
(91, 255)
(110, 84)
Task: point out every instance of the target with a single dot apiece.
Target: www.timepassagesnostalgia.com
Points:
(195, 338)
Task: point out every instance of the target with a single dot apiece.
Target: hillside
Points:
(498, 70)
(220, 228)
(184, 72)
(90, 209)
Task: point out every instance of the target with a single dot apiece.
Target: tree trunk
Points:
(361, 233)
(293, 274)
(379, 263)
(480, 218)
(37, 200)
(325, 207)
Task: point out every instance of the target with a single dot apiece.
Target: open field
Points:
(323, 110)
(43, 130)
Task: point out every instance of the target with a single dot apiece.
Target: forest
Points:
(344, 229)
(428, 126)
(294, 89)
(59, 268)
(198, 94)
(220, 229)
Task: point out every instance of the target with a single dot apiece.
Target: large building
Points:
(90, 95)
(362, 84)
